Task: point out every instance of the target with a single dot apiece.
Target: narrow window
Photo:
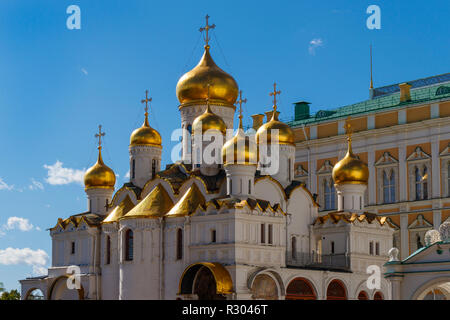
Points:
(213, 236)
(250, 186)
(294, 247)
(332, 247)
(153, 167)
(108, 250)
(418, 179)
(289, 169)
(129, 245)
(392, 187)
(371, 248)
(425, 183)
(448, 180)
(179, 244)
(240, 186)
(270, 233)
(377, 249)
(263, 233)
(72, 248)
(133, 169)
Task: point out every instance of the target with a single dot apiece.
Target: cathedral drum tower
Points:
(192, 93)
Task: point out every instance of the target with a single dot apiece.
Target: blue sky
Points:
(57, 85)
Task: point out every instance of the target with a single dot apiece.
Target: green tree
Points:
(11, 295)
(2, 287)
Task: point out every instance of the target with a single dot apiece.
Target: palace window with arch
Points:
(329, 194)
(387, 179)
(419, 175)
(327, 191)
(445, 171)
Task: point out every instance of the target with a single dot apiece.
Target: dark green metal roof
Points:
(422, 90)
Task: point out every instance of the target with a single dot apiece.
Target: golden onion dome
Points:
(285, 133)
(99, 175)
(145, 135)
(240, 149)
(350, 170)
(208, 121)
(191, 87)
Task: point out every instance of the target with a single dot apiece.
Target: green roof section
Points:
(426, 94)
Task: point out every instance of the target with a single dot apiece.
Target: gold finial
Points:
(274, 94)
(208, 108)
(99, 135)
(146, 101)
(240, 101)
(348, 131)
(371, 80)
(206, 28)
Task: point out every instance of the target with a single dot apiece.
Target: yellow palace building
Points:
(403, 134)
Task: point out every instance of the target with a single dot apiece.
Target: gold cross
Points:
(348, 128)
(99, 135)
(146, 101)
(241, 101)
(274, 94)
(206, 28)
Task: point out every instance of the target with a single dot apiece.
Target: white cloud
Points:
(4, 185)
(58, 175)
(21, 224)
(35, 258)
(313, 44)
(36, 185)
(84, 71)
(127, 175)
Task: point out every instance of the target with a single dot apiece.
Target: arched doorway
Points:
(264, 287)
(435, 294)
(34, 294)
(378, 296)
(205, 285)
(300, 289)
(60, 291)
(363, 295)
(336, 291)
(206, 280)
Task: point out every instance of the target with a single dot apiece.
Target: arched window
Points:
(329, 195)
(108, 250)
(300, 289)
(363, 296)
(378, 296)
(389, 187)
(153, 167)
(249, 186)
(179, 244)
(129, 245)
(336, 291)
(133, 169)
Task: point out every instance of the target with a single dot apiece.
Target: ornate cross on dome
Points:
(274, 94)
(99, 135)
(146, 101)
(348, 129)
(206, 28)
(240, 101)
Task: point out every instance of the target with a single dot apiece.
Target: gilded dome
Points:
(209, 121)
(192, 85)
(99, 175)
(240, 149)
(145, 135)
(350, 169)
(285, 133)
